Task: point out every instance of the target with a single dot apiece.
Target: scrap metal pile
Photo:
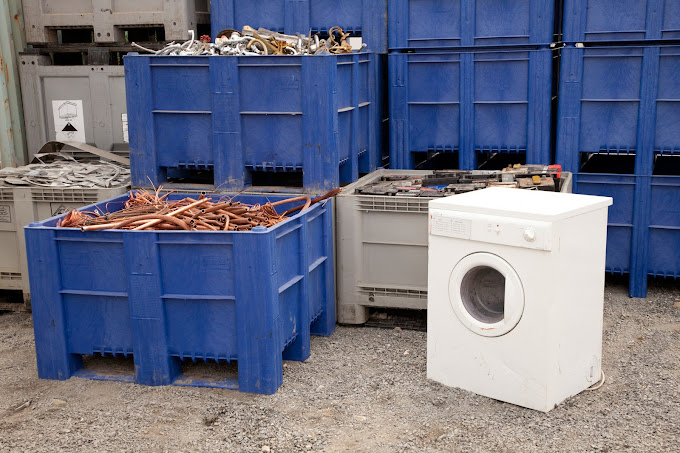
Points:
(151, 211)
(66, 171)
(260, 42)
(442, 183)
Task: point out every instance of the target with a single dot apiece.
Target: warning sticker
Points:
(59, 208)
(5, 214)
(126, 137)
(69, 122)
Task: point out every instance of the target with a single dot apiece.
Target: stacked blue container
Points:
(234, 123)
(619, 127)
(470, 81)
(225, 124)
(365, 19)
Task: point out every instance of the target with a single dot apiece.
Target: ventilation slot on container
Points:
(498, 159)
(152, 33)
(74, 35)
(667, 163)
(276, 178)
(436, 159)
(185, 175)
(68, 58)
(619, 163)
(208, 373)
(203, 29)
(108, 365)
(323, 32)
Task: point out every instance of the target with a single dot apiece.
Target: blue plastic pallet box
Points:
(417, 24)
(471, 103)
(623, 103)
(365, 18)
(167, 297)
(244, 120)
(620, 20)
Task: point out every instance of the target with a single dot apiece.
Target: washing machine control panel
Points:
(530, 234)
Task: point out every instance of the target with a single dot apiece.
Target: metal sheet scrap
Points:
(66, 171)
(442, 183)
(249, 41)
(152, 211)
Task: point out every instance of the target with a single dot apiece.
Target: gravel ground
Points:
(363, 390)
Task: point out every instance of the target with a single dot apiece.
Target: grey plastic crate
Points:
(381, 258)
(110, 18)
(101, 89)
(21, 206)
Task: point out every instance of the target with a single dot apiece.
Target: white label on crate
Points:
(126, 137)
(450, 226)
(69, 121)
(356, 42)
(5, 214)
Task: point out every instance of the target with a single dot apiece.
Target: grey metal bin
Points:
(20, 206)
(381, 249)
(109, 18)
(99, 89)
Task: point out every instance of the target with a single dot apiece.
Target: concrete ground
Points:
(364, 390)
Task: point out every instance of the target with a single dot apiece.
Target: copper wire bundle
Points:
(151, 211)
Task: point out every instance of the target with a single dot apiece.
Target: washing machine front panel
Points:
(486, 294)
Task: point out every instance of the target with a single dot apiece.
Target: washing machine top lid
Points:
(523, 204)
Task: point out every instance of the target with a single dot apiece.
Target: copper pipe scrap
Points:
(217, 207)
(115, 226)
(234, 216)
(237, 211)
(205, 224)
(326, 196)
(307, 200)
(173, 213)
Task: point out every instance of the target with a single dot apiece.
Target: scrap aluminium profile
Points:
(259, 42)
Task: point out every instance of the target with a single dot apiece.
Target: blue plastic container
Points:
(664, 227)
(417, 24)
(620, 227)
(365, 18)
(625, 101)
(620, 20)
(618, 100)
(169, 296)
(244, 120)
(470, 102)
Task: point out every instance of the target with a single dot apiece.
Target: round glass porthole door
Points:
(486, 294)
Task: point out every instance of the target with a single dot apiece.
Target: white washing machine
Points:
(515, 292)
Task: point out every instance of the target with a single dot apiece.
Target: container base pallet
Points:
(13, 300)
(224, 372)
(169, 297)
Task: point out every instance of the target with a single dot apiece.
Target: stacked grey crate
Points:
(74, 61)
(381, 242)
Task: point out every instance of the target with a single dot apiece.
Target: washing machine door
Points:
(486, 294)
